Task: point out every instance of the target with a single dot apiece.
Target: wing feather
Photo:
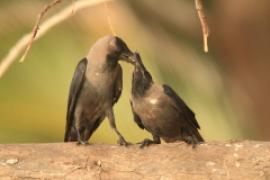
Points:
(181, 106)
(74, 91)
(136, 118)
(118, 85)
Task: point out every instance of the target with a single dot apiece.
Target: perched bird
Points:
(159, 110)
(96, 86)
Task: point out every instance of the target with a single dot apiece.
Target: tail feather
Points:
(70, 135)
(192, 136)
(196, 135)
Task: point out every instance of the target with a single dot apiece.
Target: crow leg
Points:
(156, 139)
(79, 127)
(79, 138)
(111, 118)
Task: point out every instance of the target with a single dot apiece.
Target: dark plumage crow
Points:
(95, 88)
(159, 110)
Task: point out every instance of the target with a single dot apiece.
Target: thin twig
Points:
(36, 27)
(205, 28)
(17, 49)
(108, 14)
(74, 7)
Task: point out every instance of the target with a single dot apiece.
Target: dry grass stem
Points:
(204, 25)
(108, 16)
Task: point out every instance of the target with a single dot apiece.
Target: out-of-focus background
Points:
(228, 88)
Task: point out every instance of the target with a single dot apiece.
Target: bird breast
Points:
(97, 90)
(149, 105)
(156, 112)
(102, 81)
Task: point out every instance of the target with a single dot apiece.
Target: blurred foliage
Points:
(33, 95)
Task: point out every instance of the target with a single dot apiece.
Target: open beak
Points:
(128, 56)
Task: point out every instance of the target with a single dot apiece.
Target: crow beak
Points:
(128, 56)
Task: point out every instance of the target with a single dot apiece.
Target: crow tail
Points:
(192, 136)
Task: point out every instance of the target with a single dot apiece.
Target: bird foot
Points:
(190, 141)
(81, 142)
(146, 142)
(122, 142)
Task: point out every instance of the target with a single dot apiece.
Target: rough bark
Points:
(215, 160)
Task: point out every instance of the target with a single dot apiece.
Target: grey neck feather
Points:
(142, 80)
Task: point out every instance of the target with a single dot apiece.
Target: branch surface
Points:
(215, 160)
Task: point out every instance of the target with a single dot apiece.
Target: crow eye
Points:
(117, 50)
(113, 55)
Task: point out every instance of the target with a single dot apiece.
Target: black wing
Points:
(118, 85)
(136, 118)
(190, 116)
(74, 91)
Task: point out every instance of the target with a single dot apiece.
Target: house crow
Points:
(159, 110)
(96, 86)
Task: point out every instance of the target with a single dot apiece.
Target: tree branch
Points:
(216, 160)
(17, 49)
(36, 27)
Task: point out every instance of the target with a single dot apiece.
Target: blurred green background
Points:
(226, 88)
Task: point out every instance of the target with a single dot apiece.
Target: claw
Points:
(80, 142)
(190, 141)
(146, 142)
(123, 142)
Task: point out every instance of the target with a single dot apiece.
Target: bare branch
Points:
(205, 28)
(36, 27)
(17, 49)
